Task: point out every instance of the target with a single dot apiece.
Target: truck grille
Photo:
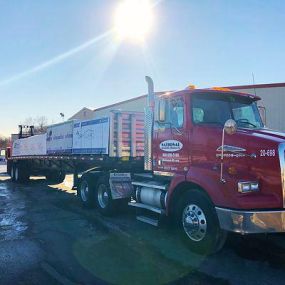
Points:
(281, 152)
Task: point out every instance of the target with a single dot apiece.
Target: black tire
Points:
(55, 177)
(12, 172)
(86, 192)
(104, 202)
(198, 223)
(20, 174)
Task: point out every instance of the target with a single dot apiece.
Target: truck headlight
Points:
(248, 186)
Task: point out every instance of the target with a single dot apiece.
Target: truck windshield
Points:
(218, 108)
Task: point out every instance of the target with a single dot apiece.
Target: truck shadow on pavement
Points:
(85, 247)
(269, 248)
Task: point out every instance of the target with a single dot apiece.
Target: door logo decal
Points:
(171, 145)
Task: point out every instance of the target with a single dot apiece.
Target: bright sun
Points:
(133, 19)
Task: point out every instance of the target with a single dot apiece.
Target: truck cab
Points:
(225, 168)
(210, 166)
(189, 139)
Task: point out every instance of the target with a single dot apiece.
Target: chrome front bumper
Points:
(251, 222)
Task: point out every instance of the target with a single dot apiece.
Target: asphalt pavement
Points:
(46, 237)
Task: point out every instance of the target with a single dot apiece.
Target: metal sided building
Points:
(271, 105)
(272, 102)
(136, 104)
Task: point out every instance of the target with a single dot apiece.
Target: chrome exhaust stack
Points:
(150, 97)
(148, 131)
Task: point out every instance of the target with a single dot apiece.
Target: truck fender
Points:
(195, 179)
(92, 175)
(177, 181)
(210, 183)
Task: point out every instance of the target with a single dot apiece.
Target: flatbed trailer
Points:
(113, 142)
(55, 167)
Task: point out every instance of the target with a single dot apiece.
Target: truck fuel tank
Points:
(151, 194)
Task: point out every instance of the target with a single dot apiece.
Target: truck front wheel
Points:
(199, 223)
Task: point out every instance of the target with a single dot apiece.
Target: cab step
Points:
(150, 221)
(151, 184)
(147, 207)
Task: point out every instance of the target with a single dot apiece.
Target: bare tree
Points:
(4, 141)
(40, 123)
(29, 121)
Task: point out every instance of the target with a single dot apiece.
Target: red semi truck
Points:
(209, 165)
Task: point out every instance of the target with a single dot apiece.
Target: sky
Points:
(60, 56)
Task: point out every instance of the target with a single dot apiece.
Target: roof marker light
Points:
(221, 89)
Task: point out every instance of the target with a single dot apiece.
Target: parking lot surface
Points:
(46, 237)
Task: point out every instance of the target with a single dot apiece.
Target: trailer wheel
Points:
(105, 204)
(16, 173)
(85, 192)
(199, 224)
(20, 174)
(12, 172)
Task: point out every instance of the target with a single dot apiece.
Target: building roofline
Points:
(83, 108)
(266, 85)
(237, 87)
(121, 102)
(127, 101)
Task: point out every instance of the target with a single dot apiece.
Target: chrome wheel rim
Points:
(84, 189)
(103, 197)
(194, 222)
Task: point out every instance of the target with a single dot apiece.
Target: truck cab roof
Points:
(212, 90)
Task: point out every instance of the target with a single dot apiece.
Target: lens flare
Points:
(55, 60)
(133, 19)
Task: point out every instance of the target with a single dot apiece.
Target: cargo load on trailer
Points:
(60, 138)
(34, 145)
(119, 135)
(91, 137)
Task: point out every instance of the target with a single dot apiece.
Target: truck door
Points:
(209, 113)
(170, 147)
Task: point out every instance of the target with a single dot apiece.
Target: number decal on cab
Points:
(267, 152)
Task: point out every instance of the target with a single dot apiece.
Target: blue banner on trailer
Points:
(91, 137)
(60, 138)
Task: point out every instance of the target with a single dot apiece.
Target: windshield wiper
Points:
(246, 121)
(214, 123)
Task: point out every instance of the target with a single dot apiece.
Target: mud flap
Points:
(121, 185)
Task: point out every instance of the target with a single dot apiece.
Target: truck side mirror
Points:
(230, 127)
(262, 112)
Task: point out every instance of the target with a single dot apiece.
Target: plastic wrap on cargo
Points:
(91, 137)
(35, 145)
(59, 138)
(121, 134)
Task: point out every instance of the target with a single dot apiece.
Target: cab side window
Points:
(198, 115)
(207, 110)
(176, 113)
